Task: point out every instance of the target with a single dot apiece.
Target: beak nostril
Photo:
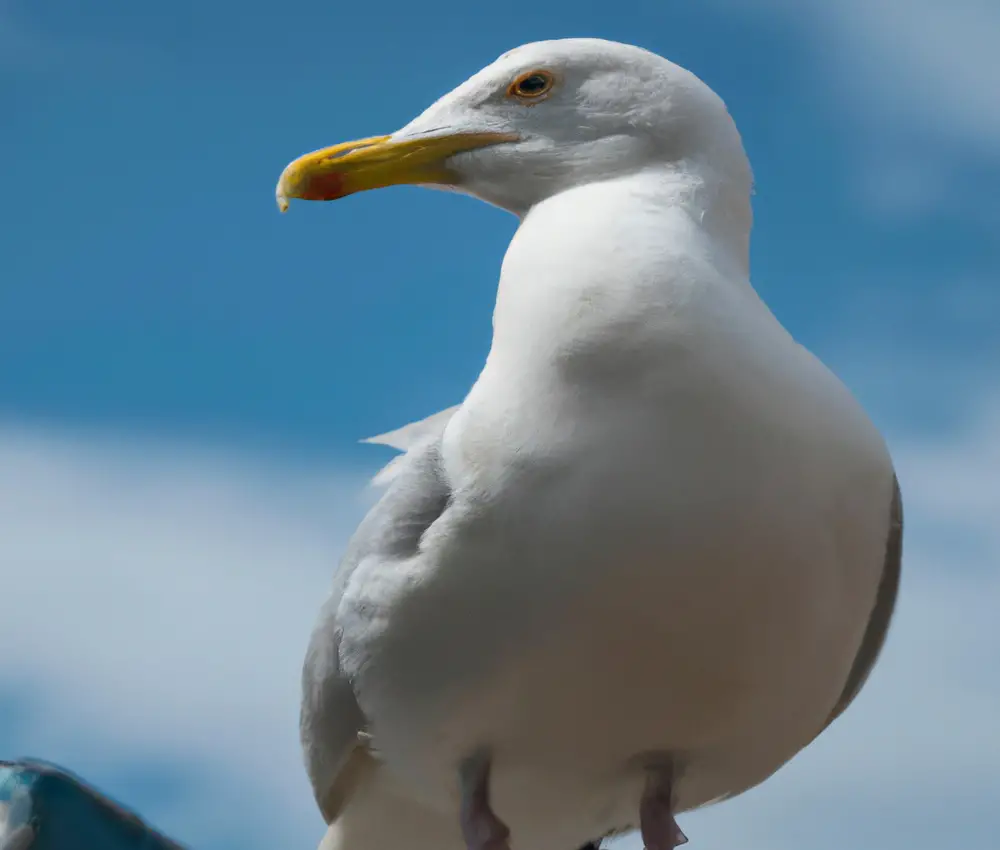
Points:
(340, 154)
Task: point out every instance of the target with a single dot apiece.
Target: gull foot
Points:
(656, 811)
(481, 828)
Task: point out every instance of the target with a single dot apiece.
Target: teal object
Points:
(43, 807)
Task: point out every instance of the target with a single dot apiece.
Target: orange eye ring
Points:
(531, 85)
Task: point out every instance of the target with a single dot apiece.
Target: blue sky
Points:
(186, 373)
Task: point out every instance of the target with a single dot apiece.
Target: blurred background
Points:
(184, 374)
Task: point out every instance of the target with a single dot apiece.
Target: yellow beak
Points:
(374, 163)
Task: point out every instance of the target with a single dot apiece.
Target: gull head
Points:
(542, 118)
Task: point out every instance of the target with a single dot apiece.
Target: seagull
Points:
(656, 549)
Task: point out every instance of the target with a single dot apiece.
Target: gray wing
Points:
(881, 616)
(332, 725)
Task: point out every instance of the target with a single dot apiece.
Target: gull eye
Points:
(531, 85)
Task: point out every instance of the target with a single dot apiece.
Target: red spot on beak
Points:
(323, 187)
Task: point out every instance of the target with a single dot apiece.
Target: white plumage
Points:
(657, 531)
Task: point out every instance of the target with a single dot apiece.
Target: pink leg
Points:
(481, 828)
(656, 812)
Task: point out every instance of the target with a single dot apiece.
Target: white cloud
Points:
(912, 82)
(926, 64)
(160, 599)
(156, 606)
(929, 62)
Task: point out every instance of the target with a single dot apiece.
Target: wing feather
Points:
(332, 724)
